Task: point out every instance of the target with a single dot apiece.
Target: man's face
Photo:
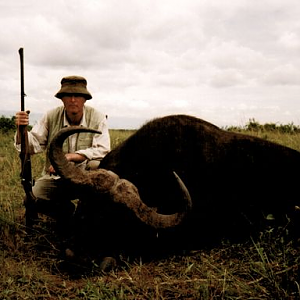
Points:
(73, 103)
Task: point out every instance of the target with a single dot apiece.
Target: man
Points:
(53, 195)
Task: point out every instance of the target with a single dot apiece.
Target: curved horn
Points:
(124, 192)
(121, 190)
(57, 157)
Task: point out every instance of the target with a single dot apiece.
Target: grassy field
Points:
(32, 268)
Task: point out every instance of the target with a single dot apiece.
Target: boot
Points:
(31, 214)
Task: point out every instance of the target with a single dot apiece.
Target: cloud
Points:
(219, 60)
(283, 75)
(291, 40)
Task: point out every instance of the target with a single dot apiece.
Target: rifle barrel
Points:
(26, 175)
(21, 52)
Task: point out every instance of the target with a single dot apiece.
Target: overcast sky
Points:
(225, 61)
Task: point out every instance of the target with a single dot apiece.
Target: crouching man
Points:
(84, 149)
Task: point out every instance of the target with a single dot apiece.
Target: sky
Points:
(224, 61)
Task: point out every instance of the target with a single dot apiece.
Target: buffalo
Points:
(181, 183)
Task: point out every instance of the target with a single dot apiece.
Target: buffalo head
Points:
(105, 182)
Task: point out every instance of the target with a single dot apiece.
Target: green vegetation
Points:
(7, 124)
(32, 268)
(288, 135)
(118, 136)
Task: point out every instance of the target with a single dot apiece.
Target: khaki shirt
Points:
(38, 138)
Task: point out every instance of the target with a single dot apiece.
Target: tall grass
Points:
(32, 268)
(118, 136)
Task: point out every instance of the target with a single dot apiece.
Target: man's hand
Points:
(22, 118)
(75, 157)
(72, 157)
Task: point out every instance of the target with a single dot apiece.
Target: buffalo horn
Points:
(104, 181)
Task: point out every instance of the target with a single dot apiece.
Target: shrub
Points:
(254, 126)
(7, 124)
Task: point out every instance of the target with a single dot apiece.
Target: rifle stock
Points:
(26, 174)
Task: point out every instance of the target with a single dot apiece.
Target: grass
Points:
(119, 135)
(32, 268)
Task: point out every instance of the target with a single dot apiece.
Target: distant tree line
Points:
(254, 126)
(8, 124)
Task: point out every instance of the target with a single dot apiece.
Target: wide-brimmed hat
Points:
(75, 85)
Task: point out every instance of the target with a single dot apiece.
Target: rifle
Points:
(26, 175)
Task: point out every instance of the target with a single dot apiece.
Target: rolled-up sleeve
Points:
(37, 137)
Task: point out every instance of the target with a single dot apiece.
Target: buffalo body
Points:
(238, 184)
